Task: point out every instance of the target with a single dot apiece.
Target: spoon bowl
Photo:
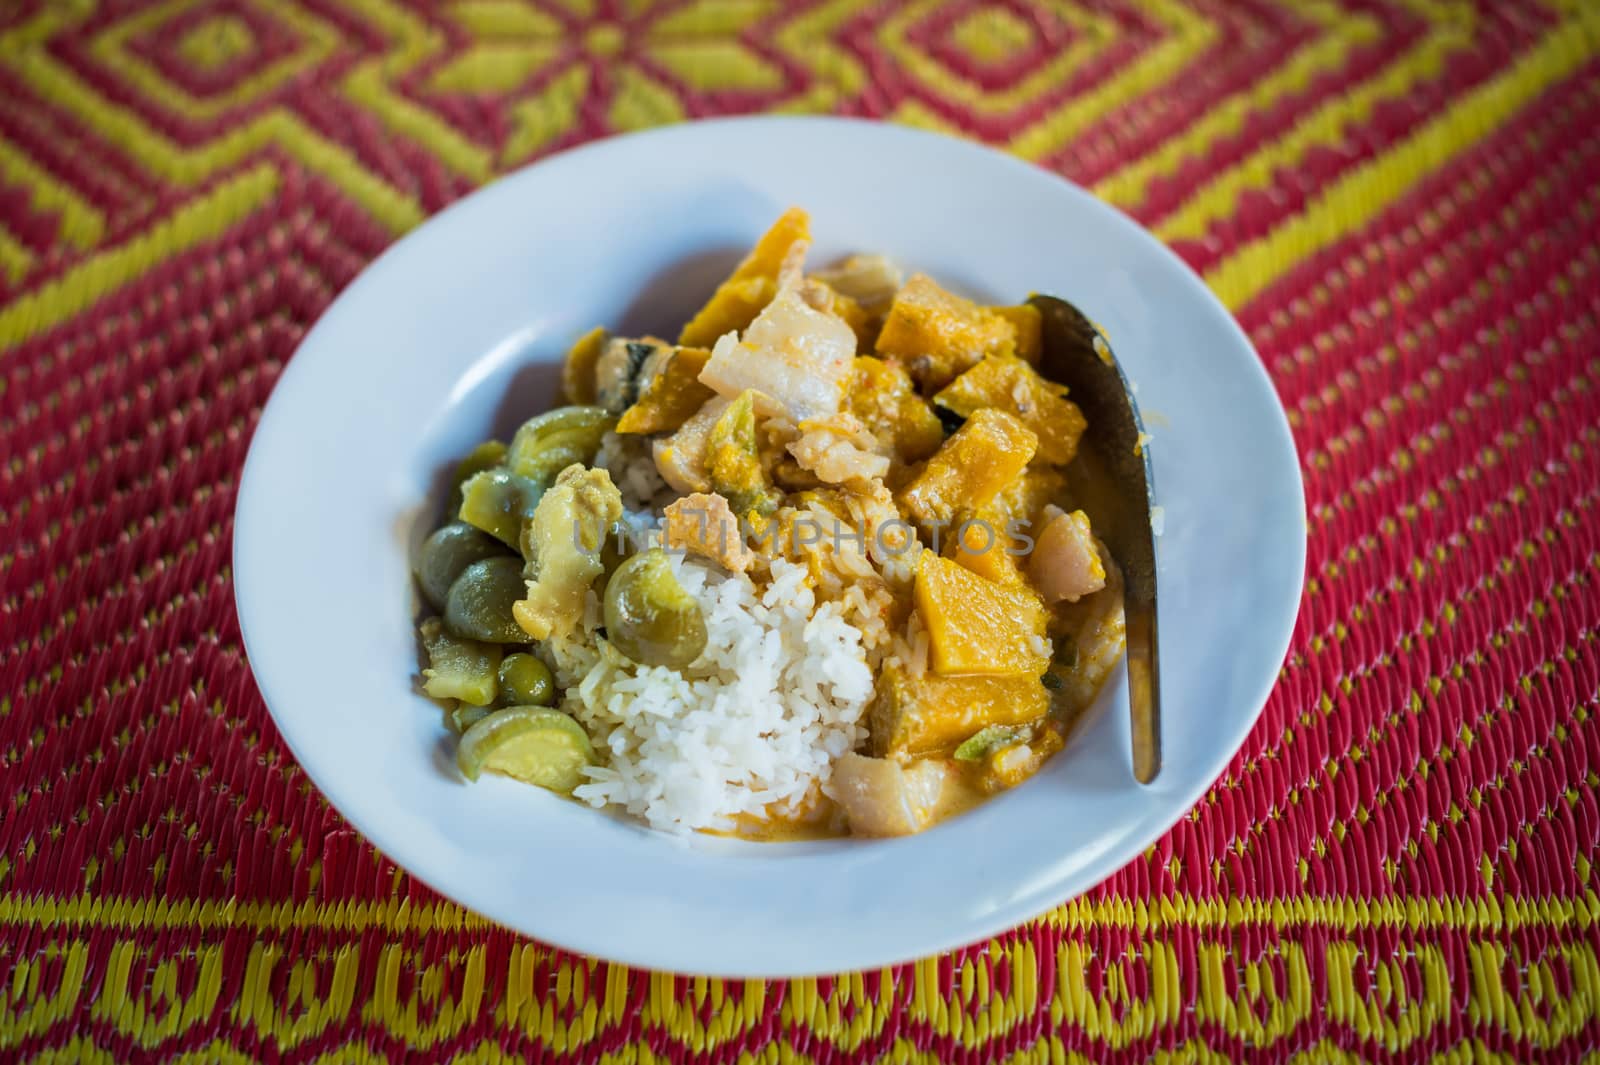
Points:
(1078, 355)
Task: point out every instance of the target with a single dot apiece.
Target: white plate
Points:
(457, 332)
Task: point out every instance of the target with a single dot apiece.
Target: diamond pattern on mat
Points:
(1399, 863)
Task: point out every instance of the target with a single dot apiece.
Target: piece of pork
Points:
(838, 449)
(795, 357)
(1065, 564)
(881, 797)
(702, 524)
(870, 280)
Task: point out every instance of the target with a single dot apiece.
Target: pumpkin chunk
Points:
(930, 714)
(979, 544)
(938, 334)
(577, 373)
(971, 468)
(883, 397)
(1022, 501)
(1011, 385)
(977, 626)
(1030, 329)
(752, 284)
(672, 396)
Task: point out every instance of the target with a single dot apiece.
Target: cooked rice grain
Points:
(750, 728)
(633, 471)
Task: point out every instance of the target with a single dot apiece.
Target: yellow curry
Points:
(844, 450)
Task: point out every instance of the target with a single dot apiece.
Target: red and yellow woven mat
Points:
(1398, 197)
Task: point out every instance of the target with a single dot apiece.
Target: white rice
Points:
(633, 471)
(751, 728)
(911, 648)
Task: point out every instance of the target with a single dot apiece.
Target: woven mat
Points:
(1399, 199)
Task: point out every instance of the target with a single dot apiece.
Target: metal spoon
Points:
(1076, 354)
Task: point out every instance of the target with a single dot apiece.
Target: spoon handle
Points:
(1144, 686)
